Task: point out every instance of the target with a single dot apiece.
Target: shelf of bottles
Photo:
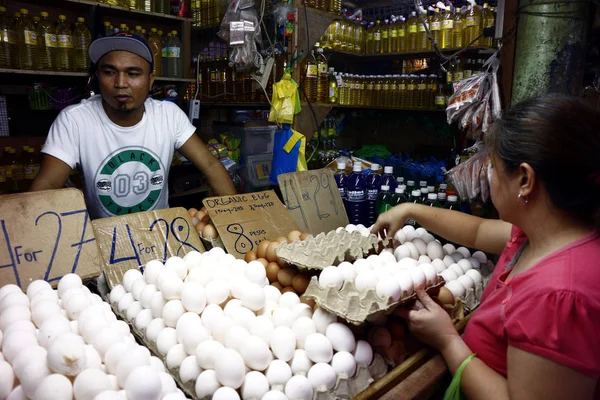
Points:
(408, 36)
(156, 8)
(330, 6)
(206, 13)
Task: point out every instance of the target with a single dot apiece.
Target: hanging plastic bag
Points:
(471, 178)
(285, 101)
(289, 155)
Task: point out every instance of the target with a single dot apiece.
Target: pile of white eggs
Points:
(68, 344)
(363, 230)
(231, 335)
(461, 270)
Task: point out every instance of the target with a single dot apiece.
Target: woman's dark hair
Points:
(559, 136)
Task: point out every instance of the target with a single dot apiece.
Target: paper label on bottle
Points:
(332, 92)
(447, 24)
(394, 33)
(339, 81)
(2, 174)
(65, 41)
(30, 38)
(361, 86)
(458, 76)
(172, 52)
(385, 34)
(421, 86)
(29, 172)
(436, 26)
(411, 86)
(356, 195)
(6, 36)
(357, 86)
(449, 77)
(16, 172)
(369, 86)
(311, 71)
(402, 86)
(386, 86)
(422, 27)
(51, 40)
(401, 32)
(372, 194)
(370, 36)
(377, 36)
(431, 86)
(214, 76)
(473, 21)
(440, 100)
(393, 87)
(378, 86)
(322, 68)
(412, 29)
(468, 73)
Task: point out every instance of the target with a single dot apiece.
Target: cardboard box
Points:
(130, 241)
(45, 235)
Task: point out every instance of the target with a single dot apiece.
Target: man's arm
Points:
(53, 174)
(219, 180)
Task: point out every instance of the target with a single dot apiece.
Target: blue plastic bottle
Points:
(341, 178)
(372, 192)
(388, 178)
(356, 196)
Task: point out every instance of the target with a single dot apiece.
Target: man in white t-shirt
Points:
(123, 140)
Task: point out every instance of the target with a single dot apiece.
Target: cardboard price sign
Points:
(45, 235)
(130, 241)
(244, 220)
(313, 200)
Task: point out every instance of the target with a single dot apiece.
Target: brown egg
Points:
(192, 212)
(199, 227)
(270, 254)
(300, 282)
(277, 285)
(200, 215)
(286, 276)
(250, 256)
(445, 296)
(210, 232)
(195, 221)
(309, 302)
(203, 209)
(261, 249)
(293, 235)
(288, 289)
(304, 236)
(205, 219)
(272, 271)
(263, 261)
(281, 239)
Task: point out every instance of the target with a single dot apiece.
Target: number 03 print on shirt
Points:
(130, 180)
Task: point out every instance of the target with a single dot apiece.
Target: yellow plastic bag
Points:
(297, 136)
(285, 101)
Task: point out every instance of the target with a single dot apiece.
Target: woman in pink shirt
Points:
(537, 331)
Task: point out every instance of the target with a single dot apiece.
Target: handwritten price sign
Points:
(45, 235)
(313, 200)
(131, 241)
(245, 220)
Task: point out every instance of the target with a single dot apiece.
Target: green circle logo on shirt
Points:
(130, 180)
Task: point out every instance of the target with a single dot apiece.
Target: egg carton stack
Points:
(67, 344)
(465, 274)
(318, 252)
(224, 333)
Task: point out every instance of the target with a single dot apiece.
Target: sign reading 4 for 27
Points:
(130, 180)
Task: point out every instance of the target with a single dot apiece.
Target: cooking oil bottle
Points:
(393, 96)
(402, 35)
(458, 29)
(156, 48)
(64, 43)
(367, 98)
(458, 72)
(385, 37)
(377, 38)
(394, 35)
(440, 95)
(472, 24)
(422, 39)
(369, 39)
(402, 91)
(359, 39)
(411, 41)
(349, 36)
(333, 87)
(421, 92)
(81, 40)
(28, 51)
(361, 89)
(46, 42)
(446, 33)
(411, 91)
(436, 26)
(487, 21)
(311, 79)
(8, 41)
(323, 80)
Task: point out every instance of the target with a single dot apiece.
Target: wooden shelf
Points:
(419, 53)
(241, 105)
(165, 79)
(357, 107)
(77, 74)
(151, 14)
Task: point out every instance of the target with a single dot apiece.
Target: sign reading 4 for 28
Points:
(130, 180)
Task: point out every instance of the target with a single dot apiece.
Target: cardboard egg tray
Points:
(354, 306)
(210, 243)
(323, 250)
(473, 297)
(345, 387)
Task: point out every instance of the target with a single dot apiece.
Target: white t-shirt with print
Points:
(125, 169)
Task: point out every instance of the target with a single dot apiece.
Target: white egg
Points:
(421, 245)
(76, 304)
(302, 327)
(466, 282)
(331, 276)
(414, 251)
(363, 353)
(90, 383)
(175, 356)
(37, 286)
(256, 353)
(341, 337)
(137, 287)
(192, 259)
(289, 300)
(448, 261)
(177, 265)
(424, 260)
(465, 265)
(407, 263)
(389, 288)
(299, 388)
(322, 376)
(475, 275)
(172, 310)
(237, 284)
(166, 339)
(323, 319)
(387, 257)
(301, 310)
(143, 383)
(410, 235)
(350, 228)
(300, 363)
(464, 251)
(408, 228)
(151, 271)
(274, 395)
(457, 288)
(347, 270)
(235, 336)
(147, 294)
(133, 310)
(343, 363)
(456, 256)
(157, 304)
(189, 369)
(207, 384)
(207, 353)
(318, 348)
(438, 265)
(253, 296)
(169, 387)
(55, 387)
(262, 327)
(43, 310)
(399, 237)
(255, 386)
(125, 302)
(243, 317)
(7, 289)
(435, 250)
(217, 291)
(481, 257)
(278, 373)
(230, 368)
(449, 275)
(449, 248)
(430, 274)
(418, 277)
(16, 342)
(474, 263)
(428, 237)
(404, 280)
(154, 328)
(202, 275)
(361, 265)
(283, 343)
(66, 354)
(272, 293)
(457, 269)
(401, 252)
(255, 272)
(193, 337)
(366, 280)
(71, 281)
(193, 297)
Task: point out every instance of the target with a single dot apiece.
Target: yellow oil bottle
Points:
(458, 72)
(369, 89)
(394, 35)
(359, 39)
(322, 92)
(472, 24)
(446, 41)
(402, 35)
(487, 20)
(385, 37)
(311, 78)
(28, 50)
(8, 42)
(403, 92)
(360, 79)
(377, 38)
(440, 96)
(393, 96)
(458, 33)
(349, 37)
(385, 92)
(436, 27)
(421, 92)
(342, 35)
(411, 41)
(355, 95)
(411, 92)
(369, 40)
(422, 39)
(333, 87)
(431, 91)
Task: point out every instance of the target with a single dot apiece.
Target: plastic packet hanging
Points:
(469, 91)
(236, 33)
(471, 178)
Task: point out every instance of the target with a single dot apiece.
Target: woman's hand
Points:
(431, 325)
(391, 221)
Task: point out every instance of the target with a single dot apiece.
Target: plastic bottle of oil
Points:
(411, 91)
(28, 51)
(440, 95)
(458, 73)
(402, 91)
(421, 91)
(384, 96)
(458, 29)
(411, 40)
(472, 24)
(448, 87)
(487, 20)
(402, 35)
(436, 27)
(81, 40)
(377, 38)
(446, 41)
(349, 36)
(156, 48)
(311, 79)
(359, 39)
(322, 88)
(8, 42)
(431, 91)
(385, 37)
(422, 39)
(15, 172)
(333, 87)
(46, 42)
(393, 93)
(64, 49)
(379, 96)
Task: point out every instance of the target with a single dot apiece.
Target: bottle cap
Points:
(441, 196)
(24, 11)
(432, 196)
(400, 190)
(43, 13)
(453, 198)
(2, 9)
(403, 187)
(443, 186)
(424, 190)
(174, 32)
(319, 50)
(80, 19)
(416, 193)
(62, 17)
(423, 183)
(385, 188)
(400, 179)
(410, 183)
(357, 167)
(430, 189)
(374, 167)
(138, 28)
(341, 165)
(388, 169)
